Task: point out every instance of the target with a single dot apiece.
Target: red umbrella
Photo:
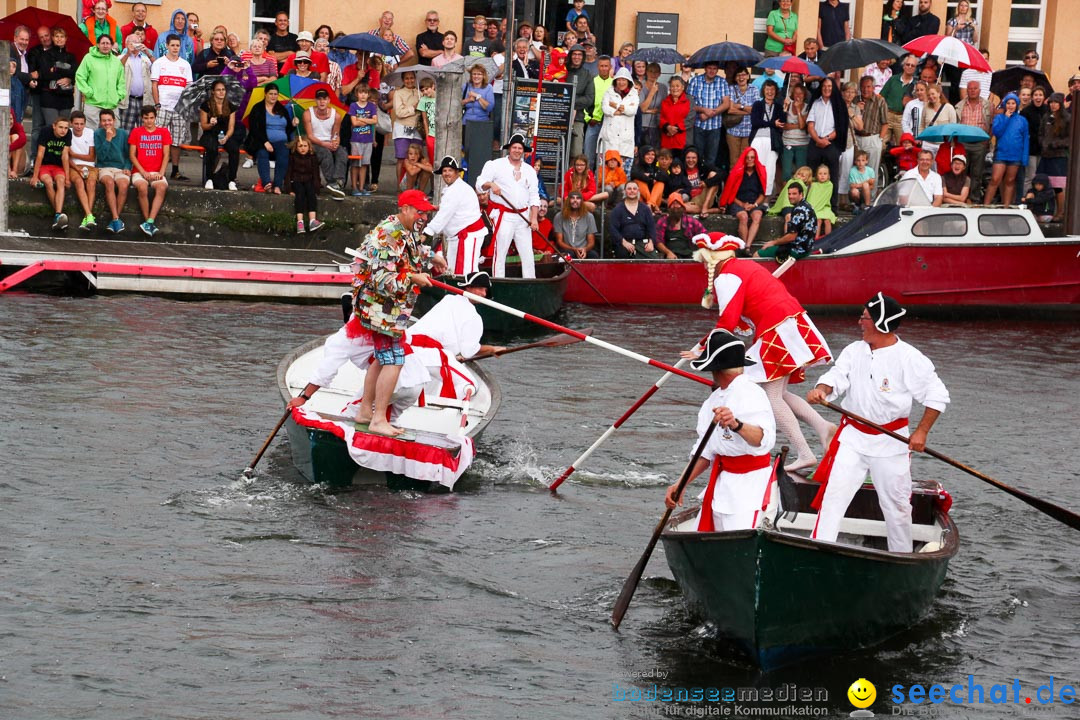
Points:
(949, 50)
(77, 42)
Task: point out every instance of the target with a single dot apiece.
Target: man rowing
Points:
(515, 202)
(786, 340)
(459, 220)
(879, 376)
(449, 331)
(739, 448)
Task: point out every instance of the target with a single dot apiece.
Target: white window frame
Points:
(294, 18)
(760, 28)
(1027, 35)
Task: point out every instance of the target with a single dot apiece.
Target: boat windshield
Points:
(905, 193)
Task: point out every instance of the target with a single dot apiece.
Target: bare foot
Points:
(382, 427)
(827, 440)
(800, 463)
(363, 419)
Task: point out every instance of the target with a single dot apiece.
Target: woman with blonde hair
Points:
(478, 101)
(937, 111)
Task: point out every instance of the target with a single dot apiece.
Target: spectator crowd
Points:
(652, 154)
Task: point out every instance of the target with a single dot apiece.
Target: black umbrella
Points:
(366, 42)
(858, 53)
(1006, 81)
(187, 105)
(658, 55)
(725, 52)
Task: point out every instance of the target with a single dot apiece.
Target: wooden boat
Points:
(928, 258)
(326, 446)
(542, 297)
(783, 597)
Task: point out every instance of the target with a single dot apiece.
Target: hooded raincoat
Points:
(100, 79)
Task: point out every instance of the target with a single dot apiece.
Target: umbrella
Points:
(77, 42)
(395, 80)
(953, 131)
(187, 106)
(366, 42)
(949, 50)
(305, 98)
(1008, 80)
(859, 53)
(658, 55)
(790, 63)
(725, 52)
(287, 86)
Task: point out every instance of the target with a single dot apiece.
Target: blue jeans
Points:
(592, 138)
(20, 96)
(708, 144)
(281, 163)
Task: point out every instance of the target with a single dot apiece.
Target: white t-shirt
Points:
(821, 114)
(81, 144)
(931, 184)
(497, 83)
(172, 76)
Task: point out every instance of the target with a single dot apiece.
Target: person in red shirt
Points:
(148, 147)
(673, 111)
(542, 242)
(320, 64)
(138, 20)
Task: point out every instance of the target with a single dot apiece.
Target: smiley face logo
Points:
(862, 693)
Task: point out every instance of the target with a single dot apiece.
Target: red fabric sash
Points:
(426, 341)
(824, 469)
(733, 464)
(459, 261)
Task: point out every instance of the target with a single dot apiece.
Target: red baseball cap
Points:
(416, 199)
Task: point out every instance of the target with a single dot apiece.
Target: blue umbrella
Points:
(790, 63)
(954, 131)
(725, 52)
(658, 55)
(366, 42)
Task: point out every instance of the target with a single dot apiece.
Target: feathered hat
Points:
(714, 249)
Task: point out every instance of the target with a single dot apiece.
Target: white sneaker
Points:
(249, 163)
(209, 185)
(232, 186)
(273, 164)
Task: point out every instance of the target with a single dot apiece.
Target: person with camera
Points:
(137, 59)
(213, 60)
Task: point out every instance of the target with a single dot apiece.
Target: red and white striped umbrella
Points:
(949, 50)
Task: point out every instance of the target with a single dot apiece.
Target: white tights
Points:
(788, 408)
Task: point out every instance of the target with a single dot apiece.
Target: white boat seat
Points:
(930, 547)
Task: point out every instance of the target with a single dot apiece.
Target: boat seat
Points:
(930, 547)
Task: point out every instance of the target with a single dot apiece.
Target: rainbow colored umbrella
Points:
(287, 86)
(305, 98)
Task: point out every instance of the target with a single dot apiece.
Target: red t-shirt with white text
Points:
(151, 147)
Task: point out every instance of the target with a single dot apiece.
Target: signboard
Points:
(546, 120)
(657, 29)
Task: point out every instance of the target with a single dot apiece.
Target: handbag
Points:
(384, 126)
(731, 121)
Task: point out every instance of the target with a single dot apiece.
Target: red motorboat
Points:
(926, 257)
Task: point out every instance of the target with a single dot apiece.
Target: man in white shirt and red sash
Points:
(786, 339)
(879, 376)
(514, 192)
(739, 448)
(459, 220)
(449, 330)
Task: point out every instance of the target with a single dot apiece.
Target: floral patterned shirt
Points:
(383, 294)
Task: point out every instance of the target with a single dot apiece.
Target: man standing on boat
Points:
(786, 339)
(394, 265)
(449, 331)
(515, 203)
(739, 448)
(459, 220)
(879, 376)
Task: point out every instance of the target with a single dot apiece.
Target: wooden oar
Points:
(1057, 512)
(251, 468)
(635, 575)
(556, 250)
(573, 333)
(637, 404)
(553, 341)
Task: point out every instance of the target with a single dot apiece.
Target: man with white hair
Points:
(514, 193)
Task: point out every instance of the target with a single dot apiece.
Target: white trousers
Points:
(463, 254)
(892, 482)
(513, 229)
(339, 349)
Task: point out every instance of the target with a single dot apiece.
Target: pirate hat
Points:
(477, 280)
(723, 351)
(517, 138)
(885, 312)
(448, 162)
(718, 241)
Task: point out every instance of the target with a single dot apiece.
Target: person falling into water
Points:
(879, 376)
(739, 448)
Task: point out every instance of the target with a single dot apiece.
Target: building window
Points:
(264, 11)
(1026, 22)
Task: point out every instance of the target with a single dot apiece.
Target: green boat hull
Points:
(542, 297)
(784, 598)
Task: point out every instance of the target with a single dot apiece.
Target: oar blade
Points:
(560, 340)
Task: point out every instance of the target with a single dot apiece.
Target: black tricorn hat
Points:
(517, 138)
(478, 279)
(723, 351)
(448, 162)
(885, 312)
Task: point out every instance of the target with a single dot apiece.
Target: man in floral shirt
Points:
(801, 230)
(393, 264)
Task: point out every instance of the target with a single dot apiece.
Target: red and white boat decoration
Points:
(931, 258)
